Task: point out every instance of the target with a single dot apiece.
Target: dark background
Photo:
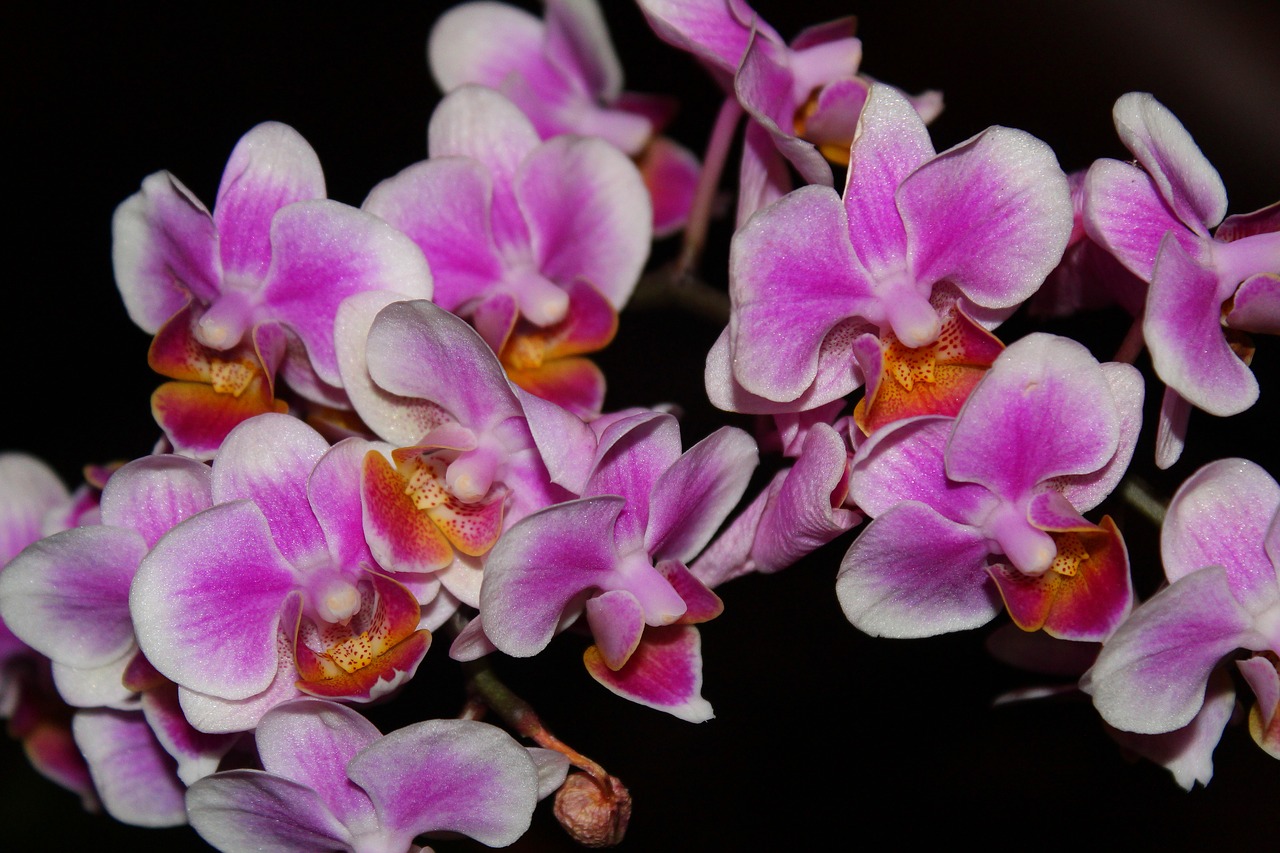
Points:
(823, 736)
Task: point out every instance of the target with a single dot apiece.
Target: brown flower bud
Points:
(595, 814)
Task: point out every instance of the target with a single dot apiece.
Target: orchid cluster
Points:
(382, 435)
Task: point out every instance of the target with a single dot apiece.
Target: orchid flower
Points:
(464, 465)
(68, 596)
(35, 503)
(884, 283)
(803, 98)
(332, 781)
(562, 72)
(1044, 437)
(656, 508)
(272, 592)
(537, 244)
(1211, 280)
(273, 260)
(1220, 544)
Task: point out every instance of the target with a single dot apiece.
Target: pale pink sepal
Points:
(29, 489)
(135, 778)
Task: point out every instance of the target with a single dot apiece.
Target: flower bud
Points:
(595, 815)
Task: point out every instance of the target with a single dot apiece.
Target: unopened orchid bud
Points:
(595, 815)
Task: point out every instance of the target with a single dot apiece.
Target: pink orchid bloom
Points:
(275, 253)
(528, 240)
(803, 97)
(1211, 279)
(34, 503)
(465, 466)
(273, 592)
(562, 72)
(1044, 437)
(919, 236)
(68, 596)
(658, 509)
(332, 781)
(1223, 595)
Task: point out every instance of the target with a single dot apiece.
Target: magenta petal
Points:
(913, 573)
(310, 742)
(483, 43)
(443, 204)
(616, 618)
(1232, 496)
(1171, 428)
(664, 672)
(1187, 181)
(152, 494)
(765, 87)
(271, 166)
(632, 455)
(793, 278)
(992, 216)
(334, 493)
(763, 175)
(323, 252)
(419, 350)
(1183, 330)
(671, 173)
(1150, 676)
(837, 376)
(892, 142)
(252, 810)
(268, 460)
(1124, 213)
(163, 251)
(67, 595)
(589, 214)
(1043, 410)
(693, 496)
(709, 29)
(807, 510)
(206, 602)
(540, 565)
(564, 442)
(905, 461)
(449, 776)
(578, 42)
(135, 778)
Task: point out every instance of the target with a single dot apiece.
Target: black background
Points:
(823, 737)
